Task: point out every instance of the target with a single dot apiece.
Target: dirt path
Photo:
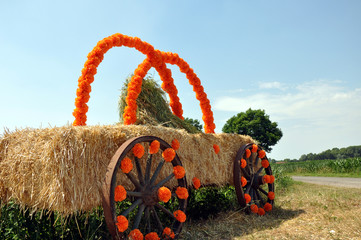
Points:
(331, 181)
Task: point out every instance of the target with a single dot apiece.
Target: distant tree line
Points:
(334, 153)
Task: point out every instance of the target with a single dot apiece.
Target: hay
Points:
(63, 168)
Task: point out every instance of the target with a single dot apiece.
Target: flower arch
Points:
(155, 58)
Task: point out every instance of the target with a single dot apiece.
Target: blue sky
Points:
(298, 60)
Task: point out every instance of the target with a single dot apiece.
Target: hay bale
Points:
(63, 168)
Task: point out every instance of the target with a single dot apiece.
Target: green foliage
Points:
(335, 153)
(195, 123)
(256, 124)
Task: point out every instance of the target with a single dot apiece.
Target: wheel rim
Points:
(143, 209)
(254, 173)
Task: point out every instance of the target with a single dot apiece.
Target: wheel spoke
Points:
(139, 216)
(254, 195)
(155, 215)
(259, 171)
(248, 187)
(134, 194)
(147, 169)
(139, 170)
(133, 180)
(245, 173)
(147, 219)
(263, 191)
(156, 172)
(165, 211)
(161, 183)
(132, 207)
(259, 197)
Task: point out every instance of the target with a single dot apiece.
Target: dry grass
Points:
(306, 211)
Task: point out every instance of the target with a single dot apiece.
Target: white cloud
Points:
(272, 85)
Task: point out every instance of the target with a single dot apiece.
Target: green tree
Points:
(195, 123)
(256, 124)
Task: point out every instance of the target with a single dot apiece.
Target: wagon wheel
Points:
(142, 207)
(253, 179)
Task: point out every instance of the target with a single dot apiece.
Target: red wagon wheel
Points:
(144, 210)
(253, 179)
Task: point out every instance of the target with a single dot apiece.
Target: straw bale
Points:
(63, 168)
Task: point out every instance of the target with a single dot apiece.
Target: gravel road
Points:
(331, 181)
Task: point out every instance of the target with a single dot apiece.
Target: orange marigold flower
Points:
(254, 208)
(272, 179)
(154, 147)
(247, 197)
(182, 192)
(271, 195)
(179, 172)
(254, 148)
(164, 194)
(267, 207)
(266, 179)
(152, 236)
(261, 154)
(180, 216)
(135, 235)
(216, 148)
(122, 223)
(138, 150)
(175, 144)
(168, 154)
(261, 211)
(126, 165)
(243, 181)
(120, 193)
(196, 183)
(265, 163)
(168, 233)
(248, 153)
(243, 163)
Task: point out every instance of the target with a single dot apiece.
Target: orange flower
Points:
(180, 216)
(272, 179)
(248, 153)
(168, 154)
(135, 235)
(152, 236)
(120, 193)
(216, 148)
(261, 211)
(154, 147)
(243, 163)
(164, 194)
(175, 144)
(122, 223)
(168, 233)
(271, 195)
(179, 172)
(265, 163)
(267, 207)
(182, 192)
(254, 208)
(243, 181)
(254, 148)
(138, 150)
(266, 179)
(261, 154)
(247, 197)
(126, 165)
(196, 183)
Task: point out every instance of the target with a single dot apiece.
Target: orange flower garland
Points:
(254, 148)
(266, 179)
(243, 181)
(271, 195)
(164, 194)
(196, 183)
(248, 153)
(261, 154)
(265, 163)
(261, 211)
(122, 223)
(135, 235)
(126, 165)
(152, 236)
(243, 163)
(120, 193)
(168, 154)
(267, 207)
(272, 179)
(254, 208)
(138, 150)
(180, 216)
(247, 197)
(179, 172)
(154, 147)
(216, 148)
(182, 192)
(175, 144)
(168, 233)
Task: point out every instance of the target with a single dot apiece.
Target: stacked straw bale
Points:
(63, 168)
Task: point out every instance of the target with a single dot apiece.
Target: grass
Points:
(325, 174)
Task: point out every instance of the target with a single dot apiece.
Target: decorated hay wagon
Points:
(140, 174)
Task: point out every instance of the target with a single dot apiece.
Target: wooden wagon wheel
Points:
(142, 209)
(253, 179)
